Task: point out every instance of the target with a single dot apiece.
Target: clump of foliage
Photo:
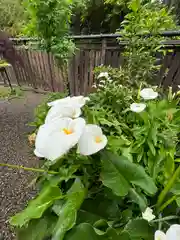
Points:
(142, 30)
(50, 22)
(12, 17)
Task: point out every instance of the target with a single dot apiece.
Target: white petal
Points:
(159, 235)
(87, 144)
(148, 94)
(52, 142)
(60, 111)
(59, 101)
(103, 74)
(173, 233)
(137, 107)
(38, 154)
(148, 214)
(79, 101)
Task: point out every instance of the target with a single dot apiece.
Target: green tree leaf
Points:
(37, 206)
(117, 173)
(135, 5)
(68, 212)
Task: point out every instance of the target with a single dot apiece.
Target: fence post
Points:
(103, 51)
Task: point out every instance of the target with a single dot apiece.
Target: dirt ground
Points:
(14, 191)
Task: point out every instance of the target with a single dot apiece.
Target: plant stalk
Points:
(167, 188)
(173, 198)
(165, 219)
(27, 169)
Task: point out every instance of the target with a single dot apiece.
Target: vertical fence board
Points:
(172, 71)
(86, 72)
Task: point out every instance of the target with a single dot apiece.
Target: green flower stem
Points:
(173, 198)
(27, 169)
(167, 188)
(165, 219)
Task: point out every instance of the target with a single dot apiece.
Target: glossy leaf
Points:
(37, 206)
(178, 201)
(113, 178)
(102, 207)
(38, 229)
(138, 199)
(87, 232)
(139, 229)
(117, 174)
(82, 231)
(68, 212)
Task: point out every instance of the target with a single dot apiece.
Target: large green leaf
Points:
(139, 229)
(118, 172)
(138, 198)
(84, 216)
(68, 212)
(102, 207)
(112, 178)
(38, 229)
(82, 231)
(87, 232)
(37, 206)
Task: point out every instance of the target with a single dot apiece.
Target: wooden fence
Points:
(41, 70)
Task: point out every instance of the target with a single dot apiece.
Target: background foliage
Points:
(11, 16)
(88, 16)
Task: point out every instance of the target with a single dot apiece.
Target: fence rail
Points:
(41, 70)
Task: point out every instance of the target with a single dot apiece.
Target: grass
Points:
(7, 93)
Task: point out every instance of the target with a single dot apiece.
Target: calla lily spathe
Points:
(148, 214)
(61, 110)
(173, 233)
(92, 140)
(59, 101)
(103, 74)
(137, 107)
(148, 94)
(57, 137)
(78, 101)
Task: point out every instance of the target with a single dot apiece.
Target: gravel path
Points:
(14, 149)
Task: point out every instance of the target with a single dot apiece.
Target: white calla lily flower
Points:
(159, 235)
(103, 74)
(137, 107)
(148, 214)
(78, 101)
(59, 101)
(60, 111)
(92, 140)
(173, 233)
(148, 94)
(57, 137)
